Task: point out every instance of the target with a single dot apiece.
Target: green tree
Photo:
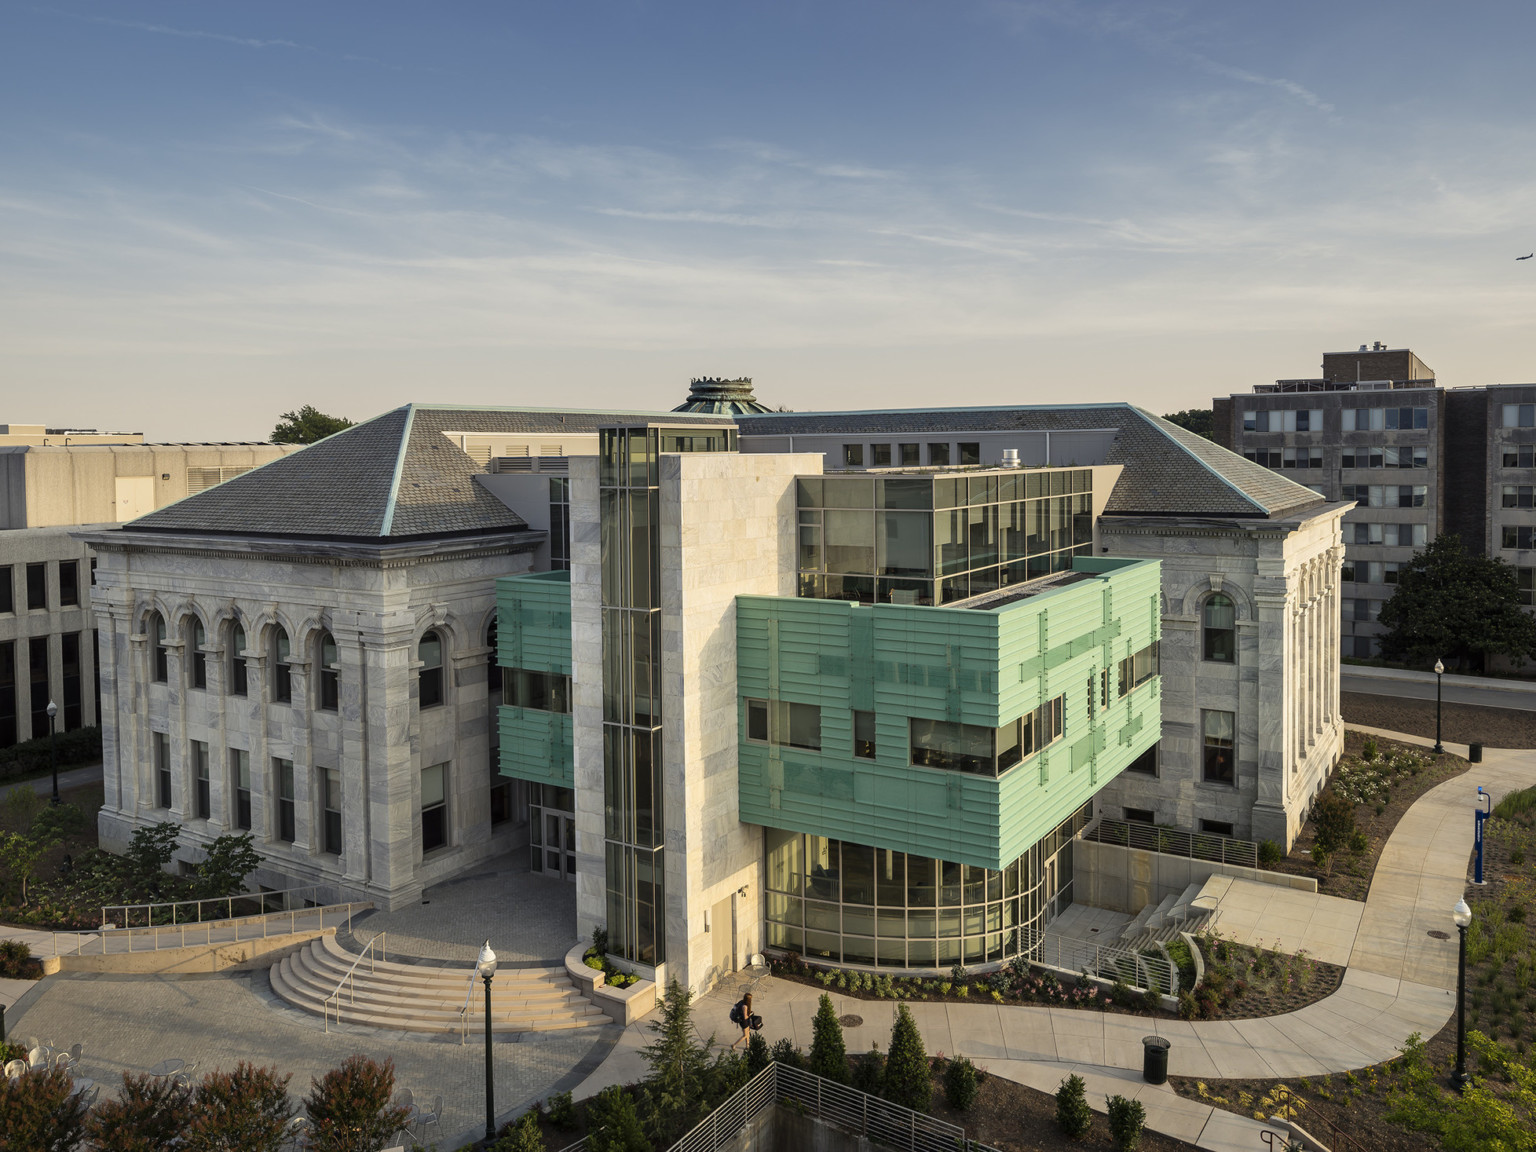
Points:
(19, 856)
(1073, 1116)
(1456, 606)
(241, 1111)
(307, 425)
(613, 1125)
(908, 1080)
(961, 1083)
(150, 1114)
(679, 1066)
(829, 1056)
(522, 1135)
(349, 1108)
(757, 1054)
(225, 865)
(38, 1114)
(1200, 421)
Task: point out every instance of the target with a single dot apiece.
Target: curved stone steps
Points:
(417, 998)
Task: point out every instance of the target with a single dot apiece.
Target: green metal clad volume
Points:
(970, 666)
(533, 631)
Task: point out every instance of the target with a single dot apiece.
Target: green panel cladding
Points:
(979, 666)
(533, 631)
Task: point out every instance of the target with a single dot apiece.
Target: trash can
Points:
(1475, 753)
(1154, 1059)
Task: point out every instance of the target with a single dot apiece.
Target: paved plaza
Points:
(528, 918)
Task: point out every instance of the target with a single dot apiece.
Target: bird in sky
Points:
(1526, 257)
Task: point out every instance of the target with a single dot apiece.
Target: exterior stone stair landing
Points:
(421, 998)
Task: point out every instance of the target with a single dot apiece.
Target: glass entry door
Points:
(552, 832)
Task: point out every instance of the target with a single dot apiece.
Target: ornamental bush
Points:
(908, 1080)
(1127, 1118)
(37, 1112)
(349, 1107)
(241, 1111)
(150, 1114)
(1073, 1116)
(829, 1056)
(613, 1125)
(960, 1083)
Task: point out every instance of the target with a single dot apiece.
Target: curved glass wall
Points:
(845, 903)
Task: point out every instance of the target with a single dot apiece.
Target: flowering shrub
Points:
(1370, 781)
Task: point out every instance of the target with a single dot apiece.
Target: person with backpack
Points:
(741, 1016)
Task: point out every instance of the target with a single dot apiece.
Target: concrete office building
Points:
(803, 674)
(51, 481)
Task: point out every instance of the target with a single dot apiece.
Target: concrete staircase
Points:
(419, 998)
(1159, 923)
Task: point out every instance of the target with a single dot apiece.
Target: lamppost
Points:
(1439, 671)
(53, 748)
(487, 972)
(1462, 915)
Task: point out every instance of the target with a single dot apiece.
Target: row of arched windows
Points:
(327, 681)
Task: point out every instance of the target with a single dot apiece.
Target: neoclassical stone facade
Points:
(1277, 680)
(183, 742)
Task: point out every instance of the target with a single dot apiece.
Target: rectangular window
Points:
(330, 686)
(546, 691)
(970, 453)
(69, 583)
(864, 735)
(985, 751)
(8, 726)
(1304, 457)
(1216, 827)
(798, 725)
(37, 700)
(1519, 455)
(37, 587)
(880, 455)
(282, 771)
(938, 454)
(7, 589)
(1347, 571)
(434, 807)
(757, 721)
(1520, 415)
(330, 809)
(204, 782)
(1137, 668)
(1525, 581)
(853, 455)
(559, 523)
(1220, 732)
(1517, 537)
(240, 778)
(1146, 764)
(911, 455)
(162, 747)
(282, 674)
(69, 672)
(1292, 420)
(1140, 816)
(429, 678)
(1517, 495)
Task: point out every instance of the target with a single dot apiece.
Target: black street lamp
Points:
(53, 748)
(1439, 671)
(1462, 915)
(487, 972)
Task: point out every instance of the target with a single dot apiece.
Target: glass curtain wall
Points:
(853, 904)
(928, 538)
(634, 831)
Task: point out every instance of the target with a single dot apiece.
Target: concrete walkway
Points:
(43, 785)
(1486, 691)
(1400, 980)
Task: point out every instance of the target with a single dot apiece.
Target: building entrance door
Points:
(552, 833)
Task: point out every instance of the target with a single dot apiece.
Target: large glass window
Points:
(239, 683)
(69, 582)
(69, 671)
(864, 735)
(330, 809)
(329, 696)
(197, 666)
(37, 587)
(429, 677)
(1137, 668)
(156, 630)
(546, 691)
(39, 685)
(1219, 730)
(985, 751)
(240, 778)
(202, 780)
(1220, 628)
(162, 749)
(282, 674)
(794, 725)
(282, 771)
(434, 807)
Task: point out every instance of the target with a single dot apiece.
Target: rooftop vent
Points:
(1010, 458)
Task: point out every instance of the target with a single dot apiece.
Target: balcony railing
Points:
(1175, 842)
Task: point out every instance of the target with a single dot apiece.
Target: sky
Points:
(211, 213)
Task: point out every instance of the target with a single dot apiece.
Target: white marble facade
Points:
(1283, 687)
(377, 602)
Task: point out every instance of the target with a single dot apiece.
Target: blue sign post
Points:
(1478, 816)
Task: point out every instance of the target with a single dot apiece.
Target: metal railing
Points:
(464, 1011)
(1175, 842)
(123, 915)
(889, 1125)
(334, 999)
(221, 931)
(1152, 973)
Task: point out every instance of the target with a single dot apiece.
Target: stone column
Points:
(220, 818)
(380, 776)
(256, 676)
(303, 757)
(176, 722)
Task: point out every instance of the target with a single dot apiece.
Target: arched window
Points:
(1220, 621)
(282, 675)
(156, 632)
(430, 677)
(330, 673)
(197, 668)
(237, 679)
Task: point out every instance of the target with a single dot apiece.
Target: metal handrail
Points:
(335, 997)
(1175, 842)
(127, 910)
(178, 932)
(464, 1011)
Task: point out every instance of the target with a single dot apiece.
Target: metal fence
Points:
(1175, 842)
(199, 911)
(858, 1113)
(1140, 968)
(210, 932)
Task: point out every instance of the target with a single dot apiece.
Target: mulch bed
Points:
(1461, 723)
(1272, 984)
(1348, 876)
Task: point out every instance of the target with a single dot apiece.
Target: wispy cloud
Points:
(184, 33)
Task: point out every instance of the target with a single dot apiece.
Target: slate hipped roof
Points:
(1168, 470)
(394, 477)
